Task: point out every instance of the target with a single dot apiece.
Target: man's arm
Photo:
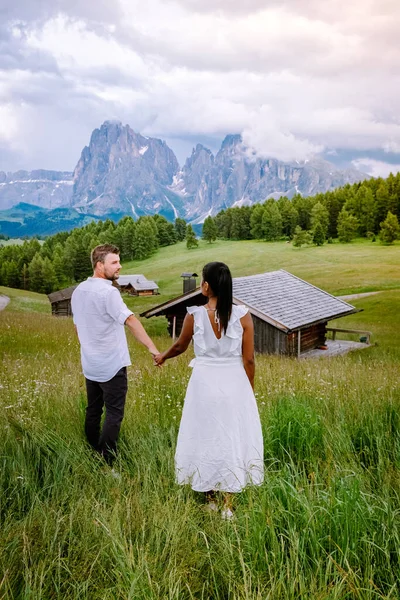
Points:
(139, 332)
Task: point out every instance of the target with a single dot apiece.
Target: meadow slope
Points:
(326, 522)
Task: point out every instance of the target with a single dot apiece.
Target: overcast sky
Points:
(295, 77)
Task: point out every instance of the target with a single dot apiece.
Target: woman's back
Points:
(206, 342)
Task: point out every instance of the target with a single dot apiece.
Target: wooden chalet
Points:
(290, 315)
(61, 302)
(137, 285)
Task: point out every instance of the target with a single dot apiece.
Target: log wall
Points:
(62, 308)
(268, 339)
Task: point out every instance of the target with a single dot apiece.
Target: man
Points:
(99, 317)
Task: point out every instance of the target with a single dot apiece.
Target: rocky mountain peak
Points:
(232, 144)
(121, 171)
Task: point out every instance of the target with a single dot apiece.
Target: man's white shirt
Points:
(99, 314)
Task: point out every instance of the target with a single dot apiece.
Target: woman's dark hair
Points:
(219, 278)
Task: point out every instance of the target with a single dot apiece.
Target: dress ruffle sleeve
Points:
(198, 333)
(235, 329)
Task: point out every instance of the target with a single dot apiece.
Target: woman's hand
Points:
(159, 360)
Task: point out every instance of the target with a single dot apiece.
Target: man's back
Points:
(99, 315)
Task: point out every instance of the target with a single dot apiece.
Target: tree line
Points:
(64, 258)
(366, 209)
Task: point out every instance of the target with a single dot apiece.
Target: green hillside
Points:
(337, 268)
(324, 525)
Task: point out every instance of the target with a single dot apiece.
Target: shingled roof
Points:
(139, 282)
(286, 301)
(279, 298)
(64, 294)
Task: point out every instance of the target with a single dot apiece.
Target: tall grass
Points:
(324, 525)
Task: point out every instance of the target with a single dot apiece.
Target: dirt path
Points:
(356, 296)
(4, 300)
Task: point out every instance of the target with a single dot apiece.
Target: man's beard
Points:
(112, 277)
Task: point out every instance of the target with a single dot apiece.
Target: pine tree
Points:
(49, 277)
(128, 238)
(301, 237)
(24, 278)
(347, 226)
(210, 231)
(180, 228)
(390, 230)
(82, 267)
(318, 234)
(59, 265)
(382, 201)
(240, 223)
(256, 229)
(166, 234)
(151, 222)
(4, 273)
(13, 279)
(145, 242)
(223, 220)
(191, 241)
(320, 215)
(368, 213)
(36, 274)
(272, 222)
(303, 207)
(290, 216)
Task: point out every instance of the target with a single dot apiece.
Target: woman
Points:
(220, 446)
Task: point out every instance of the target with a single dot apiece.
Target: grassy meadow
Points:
(324, 525)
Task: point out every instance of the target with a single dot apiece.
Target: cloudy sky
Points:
(295, 77)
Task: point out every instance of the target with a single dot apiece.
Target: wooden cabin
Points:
(61, 302)
(137, 285)
(290, 315)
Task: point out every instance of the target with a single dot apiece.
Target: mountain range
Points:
(122, 172)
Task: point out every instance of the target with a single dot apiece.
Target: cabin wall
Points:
(128, 289)
(312, 337)
(180, 316)
(268, 339)
(62, 308)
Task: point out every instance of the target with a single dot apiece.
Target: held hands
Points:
(159, 360)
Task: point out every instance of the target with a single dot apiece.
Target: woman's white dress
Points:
(220, 445)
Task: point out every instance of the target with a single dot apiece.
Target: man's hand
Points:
(159, 360)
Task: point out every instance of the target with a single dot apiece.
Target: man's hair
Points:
(99, 253)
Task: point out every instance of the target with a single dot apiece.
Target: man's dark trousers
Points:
(112, 395)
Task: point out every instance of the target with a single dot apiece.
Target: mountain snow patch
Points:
(173, 207)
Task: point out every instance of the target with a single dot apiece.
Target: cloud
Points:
(292, 76)
(27, 11)
(266, 138)
(376, 168)
(232, 7)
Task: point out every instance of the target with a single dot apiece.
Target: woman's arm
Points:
(181, 343)
(248, 347)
